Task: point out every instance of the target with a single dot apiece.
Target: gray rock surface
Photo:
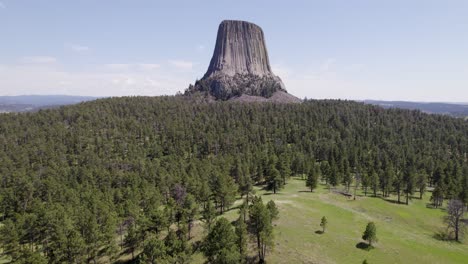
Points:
(240, 64)
(240, 49)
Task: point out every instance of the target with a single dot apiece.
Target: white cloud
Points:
(149, 66)
(97, 80)
(321, 80)
(358, 67)
(281, 70)
(327, 64)
(200, 48)
(38, 60)
(78, 48)
(118, 66)
(132, 66)
(182, 64)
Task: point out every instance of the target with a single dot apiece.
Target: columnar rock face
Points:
(240, 49)
(240, 64)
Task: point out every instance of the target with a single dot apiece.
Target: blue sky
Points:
(391, 50)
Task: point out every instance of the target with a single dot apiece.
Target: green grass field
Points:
(406, 233)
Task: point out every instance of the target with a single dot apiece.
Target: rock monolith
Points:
(240, 65)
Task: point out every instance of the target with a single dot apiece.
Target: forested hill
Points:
(100, 166)
(451, 109)
(28, 103)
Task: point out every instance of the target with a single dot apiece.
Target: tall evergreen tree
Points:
(242, 238)
(260, 225)
(437, 196)
(312, 179)
(274, 180)
(409, 179)
(370, 234)
(220, 246)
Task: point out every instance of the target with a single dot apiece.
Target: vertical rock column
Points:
(240, 64)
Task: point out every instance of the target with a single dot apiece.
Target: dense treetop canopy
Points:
(109, 162)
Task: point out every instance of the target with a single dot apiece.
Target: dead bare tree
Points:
(455, 210)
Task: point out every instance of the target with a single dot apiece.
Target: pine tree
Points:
(312, 179)
(132, 240)
(242, 237)
(365, 182)
(347, 177)
(437, 196)
(409, 181)
(209, 214)
(274, 181)
(421, 183)
(324, 224)
(245, 186)
(225, 190)
(398, 183)
(190, 212)
(370, 234)
(220, 245)
(284, 167)
(154, 251)
(374, 182)
(260, 225)
(9, 238)
(273, 210)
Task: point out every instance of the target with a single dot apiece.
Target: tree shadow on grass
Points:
(251, 259)
(392, 201)
(364, 246)
(319, 232)
(444, 235)
(305, 192)
(272, 193)
(232, 208)
(130, 261)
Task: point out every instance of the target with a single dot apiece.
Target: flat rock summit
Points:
(240, 68)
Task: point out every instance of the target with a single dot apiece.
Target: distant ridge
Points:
(25, 103)
(452, 109)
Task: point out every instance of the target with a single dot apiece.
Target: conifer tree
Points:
(370, 234)
(220, 245)
(312, 179)
(324, 224)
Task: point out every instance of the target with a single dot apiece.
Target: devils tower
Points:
(240, 67)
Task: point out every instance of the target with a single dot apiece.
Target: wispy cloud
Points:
(148, 66)
(182, 64)
(281, 70)
(118, 66)
(328, 64)
(357, 67)
(38, 60)
(78, 48)
(116, 79)
(322, 79)
(132, 66)
(200, 48)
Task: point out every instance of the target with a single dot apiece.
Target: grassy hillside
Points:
(406, 233)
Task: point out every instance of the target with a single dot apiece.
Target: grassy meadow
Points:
(407, 234)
